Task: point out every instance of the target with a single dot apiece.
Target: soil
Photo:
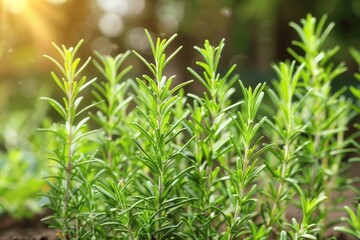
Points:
(25, 229)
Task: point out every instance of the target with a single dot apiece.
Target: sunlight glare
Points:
(57, 1)
(34, 19)
(15, 6)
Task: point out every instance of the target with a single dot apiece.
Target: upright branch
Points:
(326, 113)
(113, 104)
(247, 169)
(67, 156)
(156, 142)
(209, 124)
(285, 132)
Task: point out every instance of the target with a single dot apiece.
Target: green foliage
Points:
(20, 168)
(356, 55)
(115, 148)
(70, 197)
(285, 132)
(113, 103)
(309, 129)
(353, 222)
(209, 125)
(356, 91)
(329, 119)
(165, 165)
(156, 100)
(247, 169)
(19, 184)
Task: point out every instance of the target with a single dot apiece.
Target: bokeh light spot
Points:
(226, 12)
(169, 16)
(171, 8)
(137, 40)
(102, 45)
(136, 6)
(111, 24)
(114, 6)
(168, 23)
(82, 30)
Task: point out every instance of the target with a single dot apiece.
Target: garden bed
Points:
(25, 229)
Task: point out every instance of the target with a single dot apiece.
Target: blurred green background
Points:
(257, 34)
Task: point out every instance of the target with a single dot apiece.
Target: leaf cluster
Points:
(164, 164)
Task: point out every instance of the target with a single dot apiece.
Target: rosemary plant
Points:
(209, 124)
(112, 110)
(65, 195)
(328, 115)
(309, 130)
(352, 226)
(247, 147)
(353, 222)
(169, 165)
(114, 145)
(285, 132)
(156, 101)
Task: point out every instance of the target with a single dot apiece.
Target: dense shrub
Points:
(202, 167)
